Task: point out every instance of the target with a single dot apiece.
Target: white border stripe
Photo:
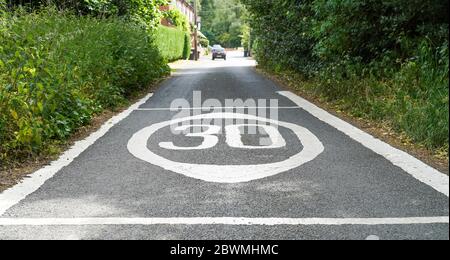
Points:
(207, 109)
(221, 221)
(29, 185)
(408, 163)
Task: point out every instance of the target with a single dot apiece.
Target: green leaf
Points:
(14, 114)
(40, 107)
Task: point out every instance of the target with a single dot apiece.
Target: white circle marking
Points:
(312, 147)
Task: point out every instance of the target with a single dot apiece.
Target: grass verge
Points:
(10, 176)
(378, 127)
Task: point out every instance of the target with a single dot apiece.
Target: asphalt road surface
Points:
(303, 174)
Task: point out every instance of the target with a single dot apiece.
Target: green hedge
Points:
(173, 43)
(382, 60)
(57, 70)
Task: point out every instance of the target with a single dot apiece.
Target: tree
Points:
(222, 21)
(302, 34)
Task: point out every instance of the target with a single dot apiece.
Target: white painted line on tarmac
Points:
(408, 163)
(29, 185)
(210, 108)
(222, 221)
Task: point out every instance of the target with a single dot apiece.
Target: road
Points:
(304, 174)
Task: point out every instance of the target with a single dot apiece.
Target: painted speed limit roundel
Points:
(312, 147)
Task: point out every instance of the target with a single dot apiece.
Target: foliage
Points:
(187, 46)
(144, 12)
(222, 22)
(57, 70)
(203, 41)
(386, 60)
(178, 19)
(199, 3)
(246, 38)
(173, 43)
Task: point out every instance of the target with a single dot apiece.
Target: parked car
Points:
(218, 52)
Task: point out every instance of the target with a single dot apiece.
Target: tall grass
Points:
(57, 70)
(412, 98)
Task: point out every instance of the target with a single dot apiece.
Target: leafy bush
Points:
(57, 70)
(178, 19)
(202, 40)
(384, 60)
(143, 12)
(173, 43)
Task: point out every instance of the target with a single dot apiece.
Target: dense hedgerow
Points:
(146, 13)
(384, 60)
(173, 43)
(57, 70)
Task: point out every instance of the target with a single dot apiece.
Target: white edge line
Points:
(221, 221)
(29, 185)
(408, 163)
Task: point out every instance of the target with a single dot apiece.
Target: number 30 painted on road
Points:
(233, 137)
(312, 147)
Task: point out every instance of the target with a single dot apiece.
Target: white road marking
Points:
(209, 138)
(29, 185)
(408, 163)
(234, 137)
(373, 238)
(211, 108)
(312, 147)
(222, 221)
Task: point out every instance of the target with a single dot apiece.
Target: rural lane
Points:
(303, 174)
